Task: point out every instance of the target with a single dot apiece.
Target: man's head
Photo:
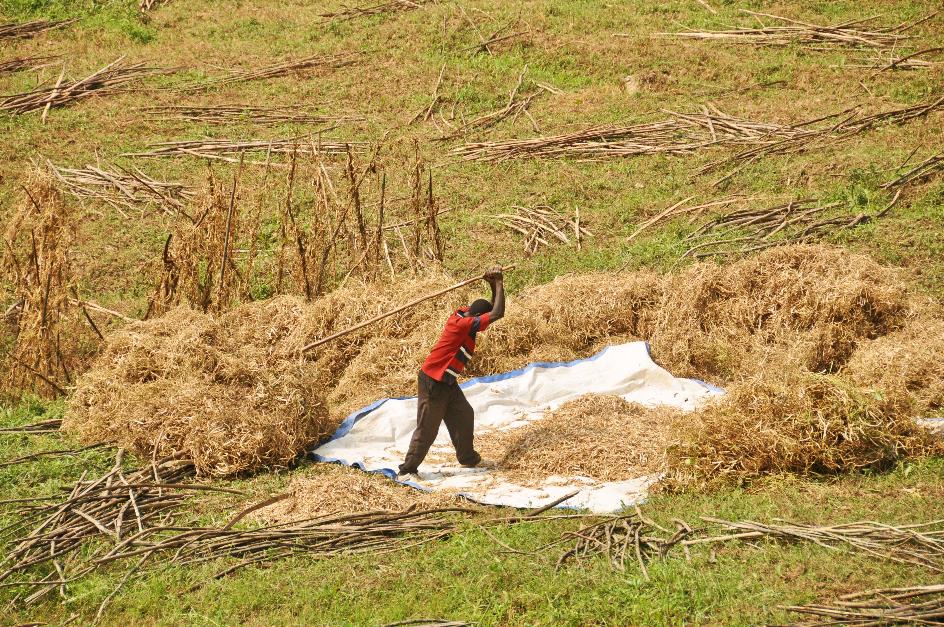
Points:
(479, 307)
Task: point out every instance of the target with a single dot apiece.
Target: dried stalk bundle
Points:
(541, 224)
(915, 605)
(115, 505)
(516, 106)
(36, 428)
(748, 230)
(596, 142)
(264, 116)
(926, 169)
(24, 30)
(219, 148)
(107, 80)
(890, 61)
(37, 271)
(319, 537)
(814, 36)
(679, 134)
(392, 6)
(617, 538)
(122, 190)
(295, 67)
(323, 536)
(27, 63)
(916, 544)
(830, 129)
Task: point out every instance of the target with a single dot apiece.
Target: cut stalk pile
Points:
(685, 133)
(219, 148)
(926, 169)
(815, 36)
(264, 116)
(747, 230)
(107, 80)
(115, 505)
(917, 605)
(23, 30)
(542, 224)
(122, 190)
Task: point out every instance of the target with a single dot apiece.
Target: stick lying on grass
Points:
(226, 114)
(36, 428)
(104, 81)
(815, 36)
(926, 169)
(24, 30)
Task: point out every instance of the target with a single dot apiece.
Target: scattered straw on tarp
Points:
(599, 436)
(332, 488)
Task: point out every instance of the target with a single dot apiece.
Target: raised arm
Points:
(496, 281)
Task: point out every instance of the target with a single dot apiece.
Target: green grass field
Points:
(588, 52)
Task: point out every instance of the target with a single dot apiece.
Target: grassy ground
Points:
(586, 50)
(470, 577)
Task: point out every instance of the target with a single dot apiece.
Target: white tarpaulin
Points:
(376, 438)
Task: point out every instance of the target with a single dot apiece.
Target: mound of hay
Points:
(806, 305)
(910, 360)
(795, 422)
(210, 389)
(231, 391)
(331, 488)
(599, 436)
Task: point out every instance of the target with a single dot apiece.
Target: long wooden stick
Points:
(392, 312)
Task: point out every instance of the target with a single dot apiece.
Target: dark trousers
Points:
(438, 402)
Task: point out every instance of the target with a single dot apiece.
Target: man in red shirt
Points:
(439, 397)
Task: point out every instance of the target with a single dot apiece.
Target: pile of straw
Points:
(908, 360)
(208, 389)
(806, 305)
(791, 421)
(175, 384)
(332, 488)
(598, 436)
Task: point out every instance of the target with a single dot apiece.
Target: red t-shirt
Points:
(455, 346)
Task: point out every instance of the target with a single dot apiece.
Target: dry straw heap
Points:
(790, 330)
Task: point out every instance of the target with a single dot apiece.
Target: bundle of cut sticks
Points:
(106, 80)
(542, 224)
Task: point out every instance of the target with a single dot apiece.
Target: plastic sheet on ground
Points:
(376, 438)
